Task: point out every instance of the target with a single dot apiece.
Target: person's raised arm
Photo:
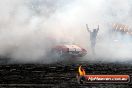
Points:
(87, 28)
(98, 28)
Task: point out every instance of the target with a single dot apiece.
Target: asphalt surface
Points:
(58, 75)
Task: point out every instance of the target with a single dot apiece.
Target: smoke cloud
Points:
(30, 28)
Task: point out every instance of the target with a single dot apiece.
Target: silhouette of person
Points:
(93, 35)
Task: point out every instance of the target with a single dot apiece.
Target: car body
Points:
(69, 50)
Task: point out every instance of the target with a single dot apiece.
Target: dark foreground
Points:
(58, 75)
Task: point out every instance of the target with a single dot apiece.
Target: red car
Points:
(69, 50)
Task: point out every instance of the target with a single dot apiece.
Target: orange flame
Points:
(81, 71)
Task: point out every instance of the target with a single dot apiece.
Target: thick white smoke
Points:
(29, 28)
